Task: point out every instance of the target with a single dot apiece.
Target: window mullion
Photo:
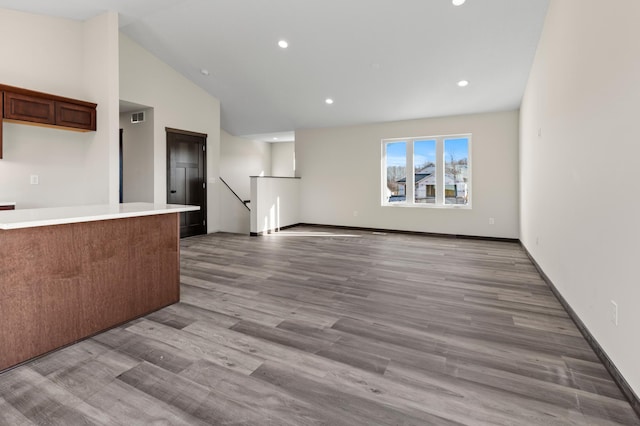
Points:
(439, 171)
(411, 184)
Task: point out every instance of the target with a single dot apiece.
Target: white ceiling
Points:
(380, 60)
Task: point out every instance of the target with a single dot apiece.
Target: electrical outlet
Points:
(614, 312)
(34, 179)
(492, 221)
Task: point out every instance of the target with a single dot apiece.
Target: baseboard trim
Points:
(602, 355)
(425, 234)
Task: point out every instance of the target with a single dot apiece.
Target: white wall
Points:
(72, 59)
(578, 196)
(178, 103)
(341, 171)
(283, 159)
(137, 157)
(241, 158)
(234, 216)
(102, 82)
(276, 203)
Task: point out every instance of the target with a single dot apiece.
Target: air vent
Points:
(137, 117)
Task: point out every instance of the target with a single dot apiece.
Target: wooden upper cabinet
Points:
(42, 109)
(75, 116)
(27, 108)
(37, 108)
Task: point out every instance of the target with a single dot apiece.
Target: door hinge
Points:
(204, 223)
(204, 147)
(204, 185)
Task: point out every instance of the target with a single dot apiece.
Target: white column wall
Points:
(578, 148)
(72, 59)
(275, 203)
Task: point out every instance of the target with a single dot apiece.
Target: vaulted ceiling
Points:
(379, 60)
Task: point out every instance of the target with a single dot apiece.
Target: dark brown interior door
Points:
(186, 179)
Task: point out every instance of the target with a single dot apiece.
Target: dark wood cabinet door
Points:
(29, 108)
(75, 116)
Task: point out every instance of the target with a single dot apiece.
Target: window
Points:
(441, 171)
(424, 171)
(396, 170)
(456, 171)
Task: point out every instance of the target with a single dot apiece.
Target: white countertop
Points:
(7, 203)
(29, 218)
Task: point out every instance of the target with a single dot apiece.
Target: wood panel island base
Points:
(67, 277)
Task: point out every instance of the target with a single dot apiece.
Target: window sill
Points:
(430, 206)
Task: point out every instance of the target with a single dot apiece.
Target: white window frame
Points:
(440, 173)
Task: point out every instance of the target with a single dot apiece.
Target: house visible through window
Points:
(424, 171)
(441, 171)
(396, 170)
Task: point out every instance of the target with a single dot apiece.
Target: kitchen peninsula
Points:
(69, 273)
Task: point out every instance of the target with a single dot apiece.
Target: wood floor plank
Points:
(324, 326)
(196, 313)
(129, 405)
(269, 400)
(310, 329)
(43, 402)
(356, 358)
(202, 299)
(9, 415)
(515, 408)
(354, 409)
(195, 345)
(158, 353)
(205, 404)
(68, 357)
(598, 406)
(88, 377)
(281, 336)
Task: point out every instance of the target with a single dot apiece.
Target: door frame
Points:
(204, 136)
(121, 162)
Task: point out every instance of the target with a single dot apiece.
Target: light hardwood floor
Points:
(320, 326)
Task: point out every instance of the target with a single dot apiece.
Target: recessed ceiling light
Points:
(275, 139)
(463, 83)
(204, 71)
(458, 2)
(283, 44)
(328, 101)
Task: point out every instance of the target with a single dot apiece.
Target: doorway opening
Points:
(136, 153)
